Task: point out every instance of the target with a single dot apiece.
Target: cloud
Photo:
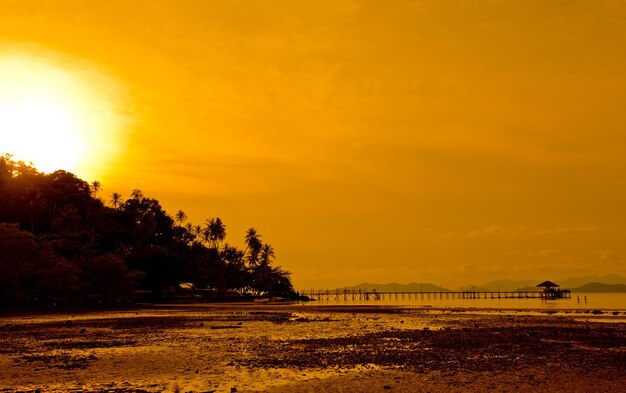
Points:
(558, 231)
(544, 253)
(608, 255)
(494, 230)
(491, 230)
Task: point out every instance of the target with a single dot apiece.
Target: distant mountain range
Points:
(592, 283)
(600, 287)
(570, 283)
(395, 287)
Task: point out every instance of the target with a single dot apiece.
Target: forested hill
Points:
(601, 287)
(62, 243)
(395, 287)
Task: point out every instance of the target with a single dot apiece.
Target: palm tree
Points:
(267, 255)
(96, 186)
(252, 238)
(136, 194)
(253, 244)
(219, 231)
(214, 232)
(205, 234)
(180, 217)
(116, 199)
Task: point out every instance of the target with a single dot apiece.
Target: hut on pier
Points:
(553, 291)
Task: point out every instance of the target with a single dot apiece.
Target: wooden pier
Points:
(347, 295)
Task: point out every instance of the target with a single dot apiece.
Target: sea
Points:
(578, 301)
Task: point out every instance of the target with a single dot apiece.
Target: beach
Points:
(308, 348)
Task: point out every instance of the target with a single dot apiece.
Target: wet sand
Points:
(294, 348)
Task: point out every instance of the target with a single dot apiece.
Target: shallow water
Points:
(593, 301)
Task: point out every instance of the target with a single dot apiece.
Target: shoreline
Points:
(309, 306)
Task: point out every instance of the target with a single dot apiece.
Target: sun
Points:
(57, 117)
(43, 130)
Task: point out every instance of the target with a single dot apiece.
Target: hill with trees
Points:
(61, 244)
(601, 287)
(394, 287)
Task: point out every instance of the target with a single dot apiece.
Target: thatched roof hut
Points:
(548, 285)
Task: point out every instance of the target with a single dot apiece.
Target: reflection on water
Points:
(578, 301)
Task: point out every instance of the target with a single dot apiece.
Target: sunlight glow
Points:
(56, 118)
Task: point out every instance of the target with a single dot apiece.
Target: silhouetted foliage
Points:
(61, 245)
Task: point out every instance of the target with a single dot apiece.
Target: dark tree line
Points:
(61, 244)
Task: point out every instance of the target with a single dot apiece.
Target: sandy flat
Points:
(293, 348)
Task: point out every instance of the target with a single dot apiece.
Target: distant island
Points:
(608, 283)
(601, 287)
(395, 287)
(62, 244)
(571, 283)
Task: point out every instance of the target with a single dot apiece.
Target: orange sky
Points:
(450, 142)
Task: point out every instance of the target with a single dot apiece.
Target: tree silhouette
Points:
(180, 217)
(267, 255)
(136, 194)
(253, 246)
(214, 232)
(96, 186)
(116, 200)
(61, 245)
(218, 231)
